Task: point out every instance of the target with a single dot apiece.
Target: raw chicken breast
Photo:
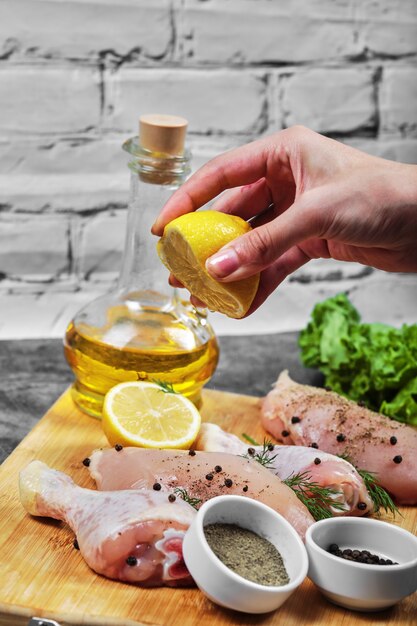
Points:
(134, 536)
(373, 442)
(202, 474)
(325, 469)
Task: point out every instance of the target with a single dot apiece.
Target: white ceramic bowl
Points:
(360, 586)
(221, 584)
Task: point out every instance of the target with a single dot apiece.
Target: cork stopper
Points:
(162, 133)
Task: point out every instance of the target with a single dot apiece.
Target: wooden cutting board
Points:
(42, 575)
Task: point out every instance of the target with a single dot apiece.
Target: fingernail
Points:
(155, 230)
(223, 263)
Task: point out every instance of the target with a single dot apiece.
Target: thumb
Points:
(259, 248)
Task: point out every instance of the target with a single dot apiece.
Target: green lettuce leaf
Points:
(371, 363)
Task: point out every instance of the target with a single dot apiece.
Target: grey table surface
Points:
(34, 373)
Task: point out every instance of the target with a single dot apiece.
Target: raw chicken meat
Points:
(202, 475)
(134, 536)
(315, 417)
(325, 469)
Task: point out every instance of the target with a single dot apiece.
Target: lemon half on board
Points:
(146, 415)
(186, 244)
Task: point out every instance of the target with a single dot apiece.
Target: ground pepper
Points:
(247, 554)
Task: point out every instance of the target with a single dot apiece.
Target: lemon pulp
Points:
(188, 241)
(148, 415)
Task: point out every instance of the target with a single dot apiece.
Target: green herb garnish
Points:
(316, 498)
(264, 456)
(378, 495)
(183, 493)
(165, 387)
(380, 498)
(248, 438)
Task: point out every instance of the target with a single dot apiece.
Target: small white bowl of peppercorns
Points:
(360, 563)
(243, 555)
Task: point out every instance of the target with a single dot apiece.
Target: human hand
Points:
(310, 197)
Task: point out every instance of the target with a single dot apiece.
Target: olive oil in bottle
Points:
(143, 330)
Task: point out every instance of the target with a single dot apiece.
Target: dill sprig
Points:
(249, 438)
(378, 495)
(315, 497)
(380, 498)
(165, 386)
(183, 493)
(264, 456)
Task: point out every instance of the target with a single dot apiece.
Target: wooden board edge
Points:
(15, 615)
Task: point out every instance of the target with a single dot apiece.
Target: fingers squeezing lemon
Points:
(147, 415)
(188, 241)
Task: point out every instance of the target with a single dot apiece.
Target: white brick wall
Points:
(330, 100)
(398, 101)
(34, 247)
(42, 100)
(210, 99)
(76, 75)
(260, 32)
(84, 29)
(102, 242)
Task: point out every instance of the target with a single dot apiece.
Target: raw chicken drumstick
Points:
(134, 536)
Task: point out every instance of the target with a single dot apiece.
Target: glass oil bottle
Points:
(143, 330)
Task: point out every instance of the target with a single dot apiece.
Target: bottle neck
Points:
(154, 177)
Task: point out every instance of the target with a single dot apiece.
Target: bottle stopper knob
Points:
(162, 133)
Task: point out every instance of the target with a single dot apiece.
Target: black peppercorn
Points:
(314, 445)
(317, 461)
(209, 476)
(118, 447)
(285, 433)
(393, 440)
(228, 482)
(341, 437)
(245, 488)
(157, 486)
(361, 506)
(295, 420)
(191, 452)
(251, 451)
(397, 459)
(87, 462)
(360, 556)
(131, 560)
(171, 497)
(271, 447)
(218, 468)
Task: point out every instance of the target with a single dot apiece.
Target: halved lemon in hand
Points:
(146, 415)
(186, 244)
